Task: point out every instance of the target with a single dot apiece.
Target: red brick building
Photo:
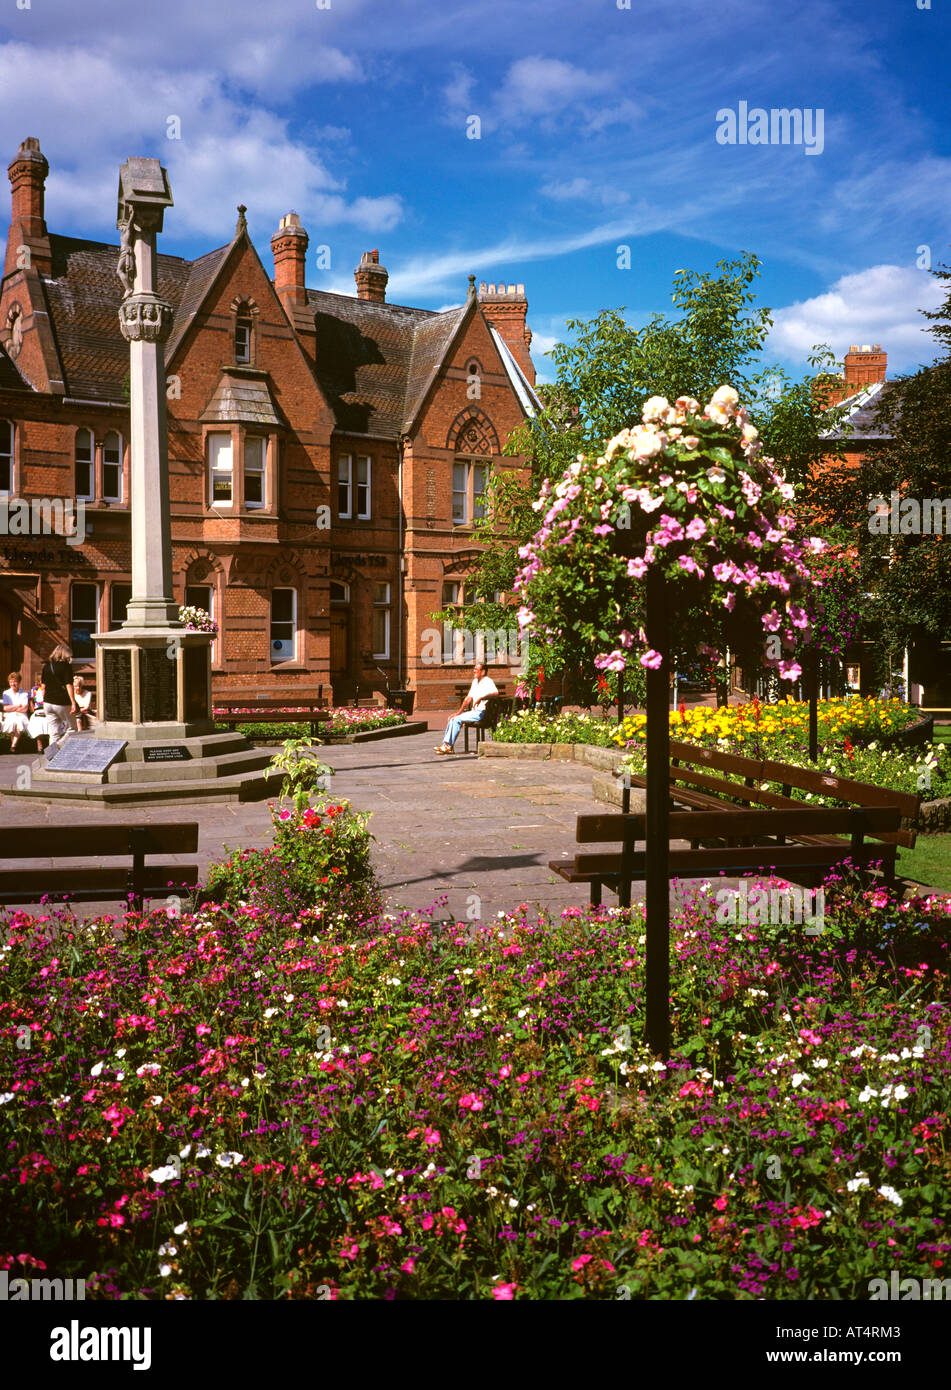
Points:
(327, 455)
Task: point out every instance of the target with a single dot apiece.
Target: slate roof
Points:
(375, 361)
(863, 408)
(242, 395)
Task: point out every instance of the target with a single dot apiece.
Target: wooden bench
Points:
(703, 791)
(496, 708)
(268, 711)
(820, 825)
(84, 841)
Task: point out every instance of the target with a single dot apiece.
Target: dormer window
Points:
(242, 339)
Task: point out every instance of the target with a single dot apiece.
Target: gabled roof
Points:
(863, 407)
(432, 340)
(84, 293)
(364, 359)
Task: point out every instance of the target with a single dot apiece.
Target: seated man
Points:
(472, 710)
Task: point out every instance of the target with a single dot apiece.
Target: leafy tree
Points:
(604, 377)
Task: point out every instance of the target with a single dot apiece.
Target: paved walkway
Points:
(456, 833)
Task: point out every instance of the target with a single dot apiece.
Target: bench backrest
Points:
(93, 841)
(804, 779)
(702, 825)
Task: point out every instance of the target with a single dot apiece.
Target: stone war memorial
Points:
(156, 738)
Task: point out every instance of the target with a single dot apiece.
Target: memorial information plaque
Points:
(169, 754)
(85, 753)
(159, 676)
(117, 669)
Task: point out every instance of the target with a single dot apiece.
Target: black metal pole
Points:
(657, 820)
(620, 697)
(813, 669)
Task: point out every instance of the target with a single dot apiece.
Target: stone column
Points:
(146, 322)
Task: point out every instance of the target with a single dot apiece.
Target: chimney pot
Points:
(27, 173)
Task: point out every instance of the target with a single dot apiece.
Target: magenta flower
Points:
(652, 660)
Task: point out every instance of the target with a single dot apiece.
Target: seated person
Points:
(85, 718)
(472, 710)
(16, 710)
(39, 727)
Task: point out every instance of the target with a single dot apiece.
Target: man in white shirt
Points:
(472, 710)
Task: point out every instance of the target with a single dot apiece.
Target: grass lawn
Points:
(929, 862)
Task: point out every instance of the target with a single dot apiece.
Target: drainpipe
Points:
(401, 677)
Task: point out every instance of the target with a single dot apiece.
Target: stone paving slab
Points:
(446, 828)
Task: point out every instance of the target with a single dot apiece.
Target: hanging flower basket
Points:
(688, 495)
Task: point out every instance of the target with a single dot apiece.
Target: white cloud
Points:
(877, 305)
(567, 190)
(230, 151)
(540, 87)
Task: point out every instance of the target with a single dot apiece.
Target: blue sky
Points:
(598, 130)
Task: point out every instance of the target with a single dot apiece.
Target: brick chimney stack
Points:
(865, 365)
(506, 309)
(371, 277)
(289, 247)
(27, 171)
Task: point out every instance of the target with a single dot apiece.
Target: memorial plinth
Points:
(153, 675)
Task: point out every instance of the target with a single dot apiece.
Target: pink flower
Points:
(470, 1102)
(432, 1138)
(503, 1292)
(652, 660)
(408, 1265)
(696, 528)
(720, 1203)
(580, 1262)
(636, 569)
(789, 670)
(505, 1071)
(349, 1249)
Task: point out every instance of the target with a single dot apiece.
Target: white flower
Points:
(513, 1203)
(890, 1195)
(6, 1098)
(180, 1230)
(120, 1075)
(866, 1095)
(165, 1174)
(183, 1153)
(228, 1160)
(155, 1100)
(820, 1062)
(97, 1070)
(168, 1249)
(288, 998)
(148, 1069)
(269, 1013)
(799, 1077)
(165, 1270)
(521, 1013)
(121, 1052)
(659, 1066)
(202, 1152)
(859, 1181)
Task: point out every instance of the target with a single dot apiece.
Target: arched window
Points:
(6, 456)
(112, 466)
(339, 593)
(85, 465)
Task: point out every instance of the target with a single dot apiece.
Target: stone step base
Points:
(248, 786)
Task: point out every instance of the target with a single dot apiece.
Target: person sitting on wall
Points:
(473, 708)
(39, 728)
(16, 710)
(85, 718)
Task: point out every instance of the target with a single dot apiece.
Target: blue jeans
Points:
(455, 724)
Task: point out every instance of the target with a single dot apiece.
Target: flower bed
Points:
(344, 720)
(228, 1105)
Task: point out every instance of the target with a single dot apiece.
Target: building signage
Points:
(345, 558)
